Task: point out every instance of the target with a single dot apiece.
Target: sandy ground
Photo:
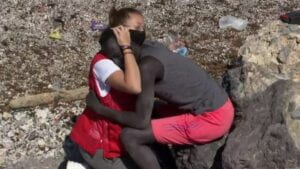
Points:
(31, 62)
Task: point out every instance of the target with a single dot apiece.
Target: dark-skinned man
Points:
(197, 109)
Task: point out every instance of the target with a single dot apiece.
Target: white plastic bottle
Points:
(232, 22)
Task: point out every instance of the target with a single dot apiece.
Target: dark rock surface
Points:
(207, 156)
(261, 139)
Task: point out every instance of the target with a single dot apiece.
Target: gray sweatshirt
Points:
(184, 84)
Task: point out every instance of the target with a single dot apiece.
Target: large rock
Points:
(266, 136)
(271, 55)
(265, 89)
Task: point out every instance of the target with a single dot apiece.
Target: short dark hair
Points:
(119, 17)
(111, 49)
(109, 44)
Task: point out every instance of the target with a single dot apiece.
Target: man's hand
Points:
(92, 102)
(144, 104)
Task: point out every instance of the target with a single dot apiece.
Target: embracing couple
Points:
(131, 80)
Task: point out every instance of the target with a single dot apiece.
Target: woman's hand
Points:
(123, 36)
(129, 80)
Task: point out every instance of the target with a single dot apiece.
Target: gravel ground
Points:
(31, 62)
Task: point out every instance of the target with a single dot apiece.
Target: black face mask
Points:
(137, 37)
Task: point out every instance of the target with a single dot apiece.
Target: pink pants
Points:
(188, 128)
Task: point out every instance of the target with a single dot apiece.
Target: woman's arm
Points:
(139, 119)
(128, 81)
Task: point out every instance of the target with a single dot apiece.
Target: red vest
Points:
(91, 131)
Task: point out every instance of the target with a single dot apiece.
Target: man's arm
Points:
(151, 70)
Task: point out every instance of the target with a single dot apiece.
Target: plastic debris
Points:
(183, 2)
(232, 22)
(176, 45)
(181, 51)
(55, 34)
(57, 84)
(179, 46)
(98, 26)
(291, 17)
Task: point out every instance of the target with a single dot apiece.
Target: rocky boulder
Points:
(266, 91)
(266, 136)
(264, 86)
(271, 55)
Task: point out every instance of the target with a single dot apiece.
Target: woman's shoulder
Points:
(101, 61)
(99, 57)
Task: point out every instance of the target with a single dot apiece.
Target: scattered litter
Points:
(291, 17)
(57, 85)
(59, 22)
(55, 34)
(183, 2)
(42, 114)
(59, 116)
(176, 45)
(181, 51)
(98, 26)
(232, 22)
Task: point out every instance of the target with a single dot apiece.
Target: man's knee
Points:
(135, 137)
(128, 138)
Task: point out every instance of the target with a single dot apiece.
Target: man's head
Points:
(110, 47)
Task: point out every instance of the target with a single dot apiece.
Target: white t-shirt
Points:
(102, 70)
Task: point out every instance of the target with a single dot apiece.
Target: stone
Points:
(2, 156)
(33, 135)
(263, 138)
(19, 116)
(6, 116)
(296, 114)
(283, 55)
(266, 93)
(49, 97)
(294, 107)
(7, 143)
(266, 57)
(292, 115)
(41, 143)
(206, 156)
(28, 124)
(42, 114)
(10, 134)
